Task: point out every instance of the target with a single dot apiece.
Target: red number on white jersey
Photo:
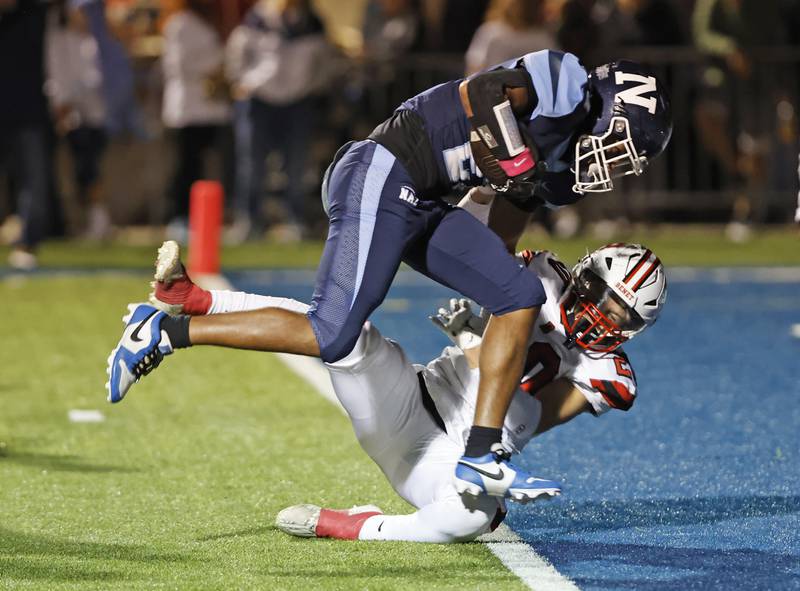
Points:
(623, 369)
(545, 361)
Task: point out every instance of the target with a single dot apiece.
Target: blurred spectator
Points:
(277, 61)
(616, 21)
(450, 24)
(637, 22)
(24, 121)
(391, 28)
(790, 16)
(659, 21)
(797, 211)
(123, 114)
(512, 28)
(579, 33)
(784, 143)
(195, 104)
(75, 89)
(726, 31)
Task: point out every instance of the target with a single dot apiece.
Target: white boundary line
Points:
(517, 555)
(522, 560)
(314, 372)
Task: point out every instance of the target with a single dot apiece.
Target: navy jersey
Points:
(560, 84)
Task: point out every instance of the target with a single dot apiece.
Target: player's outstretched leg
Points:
(173, 290)
(309, 521)
(142, 347)
(494, 475)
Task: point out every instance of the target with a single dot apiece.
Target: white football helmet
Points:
(617, 291)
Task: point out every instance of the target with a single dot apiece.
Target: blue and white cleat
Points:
(493, 475)
(140, 350)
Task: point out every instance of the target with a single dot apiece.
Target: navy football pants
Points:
(376, 221)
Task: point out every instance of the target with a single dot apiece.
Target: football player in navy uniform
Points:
(536, 130)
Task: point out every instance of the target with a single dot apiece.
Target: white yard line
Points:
(313, 372)
(517, 556)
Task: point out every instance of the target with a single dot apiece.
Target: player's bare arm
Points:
(561, 402)
(502, 217)
(509, 222)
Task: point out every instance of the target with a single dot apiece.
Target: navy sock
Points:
(177, 329)
(481, 439)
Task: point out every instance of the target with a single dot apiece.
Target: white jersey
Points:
(606, 380)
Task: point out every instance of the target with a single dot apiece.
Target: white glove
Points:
(460, 324)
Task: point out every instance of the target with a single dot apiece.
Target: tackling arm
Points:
(561, 402)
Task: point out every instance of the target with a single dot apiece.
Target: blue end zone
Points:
(698, 485)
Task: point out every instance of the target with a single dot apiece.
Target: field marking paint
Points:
(77, 415)
(522, 560)
(517, 555)
(313, 372)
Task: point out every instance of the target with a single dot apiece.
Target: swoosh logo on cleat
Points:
(494, 476)
(380, 526)
(135, 334)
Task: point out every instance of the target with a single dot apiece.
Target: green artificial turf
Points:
(179, 487)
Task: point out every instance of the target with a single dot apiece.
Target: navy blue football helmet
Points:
(632, 124)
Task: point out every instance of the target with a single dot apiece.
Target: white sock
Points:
(240, 301)
(441, 522)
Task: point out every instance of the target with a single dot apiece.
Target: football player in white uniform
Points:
(413, 420)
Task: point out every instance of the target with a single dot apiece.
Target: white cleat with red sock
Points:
(310, 521)
(174, 292)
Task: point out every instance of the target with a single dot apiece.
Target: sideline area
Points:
(676, 245)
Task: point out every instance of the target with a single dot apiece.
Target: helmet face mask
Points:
(630, 123)
(617, 291)
(595, 317)
(600, 159)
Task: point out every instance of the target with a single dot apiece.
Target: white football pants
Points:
(379, 389)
